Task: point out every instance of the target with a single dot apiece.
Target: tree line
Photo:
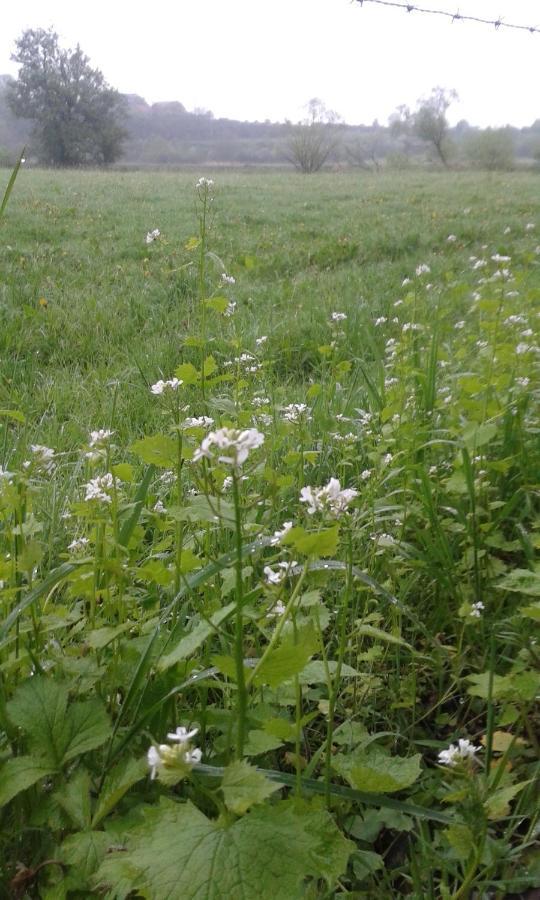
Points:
(70, 116)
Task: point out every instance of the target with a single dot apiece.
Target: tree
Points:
(312, 141)
(430, 123)
(492, 149)
(76, 113)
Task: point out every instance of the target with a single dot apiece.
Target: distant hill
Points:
(166, 134)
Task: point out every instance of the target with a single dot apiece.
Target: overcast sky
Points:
(264, 60)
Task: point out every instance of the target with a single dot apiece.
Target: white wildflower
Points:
(365, 474)
(151, 236)
(523, 382)
(281, 532)
(405, 282)
(530, 226)
(498, 258)
(522, 348)
(100, 437)
(227, 279)
(182, 735)
(161, 386)
(278, 609)
(159, 508)
(235, 441)
(257, 402)
(507, 230)
(43, 458)
(459, 325)
(296, 412)
(330, 498)
(422, 269)
(261, 340)
(476, 609)
(78, 545)
(455, 753)
(204, 183)
(380, 321)
(338, 317)
(451, 239)
(480, 264)
(198, 422)
(231, 309)
(98, 488)
(284, 568)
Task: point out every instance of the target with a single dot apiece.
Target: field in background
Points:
(403, 310)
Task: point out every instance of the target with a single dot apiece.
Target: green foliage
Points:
(75, 112)
(179, 853)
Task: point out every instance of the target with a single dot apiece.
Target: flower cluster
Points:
(457, 753)
(42, 460)
(151, 236)
(235, 442)
(204, 184)
(297, 412)
(330, 498)
(227, 279)
(170, 757)
(284, 568)
(161, 386)
(99, 488)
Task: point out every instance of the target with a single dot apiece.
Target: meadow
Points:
(269, 474)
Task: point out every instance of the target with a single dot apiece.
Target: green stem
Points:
(241, 688)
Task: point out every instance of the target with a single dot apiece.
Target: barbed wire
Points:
(454, 17)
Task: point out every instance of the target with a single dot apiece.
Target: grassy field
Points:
(294, 508)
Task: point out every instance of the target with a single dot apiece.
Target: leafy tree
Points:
(314, 140)
(76, 113)
(492, 149)
(430, 122)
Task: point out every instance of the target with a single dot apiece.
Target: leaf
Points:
(523, 581)
(365, 862)
(522, 685)
(118, 783)
(85, 850)
(179, 854)
(157, 450)
(219, 304)
(244, 787)
(313, 543)
(187, 373)
(477, 435)
(209, 367)
(287, 660)
(86, 727)
(39, 706)
(74, 798)
(57, 732)
(14, 414)
(260, 742)
(374, 771)
(379, 635)
(498, 805)
(315, 671)
(20, 773)
(194, 639)
(461, 839)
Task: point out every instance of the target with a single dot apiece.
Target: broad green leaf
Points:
(532, 611)
(498, 805)
(521, 580)
(85, 850)
(39, 707)
(260, 741)
(287, 660)
(116, 784)
(315, 671)
(74, 798)
(56, 731)
(477, 435)
(520, 685)
(179, 854)
(374, 771)
(461, 839)
(194, 639)
(19, 773)
(124, 471)
(157, 450)
(86, 727)
(365, 862)
(313, 543)
(155, 570)
(187, 373)
(209, 366)
(219, 304)
(280, 728)
(244, 787)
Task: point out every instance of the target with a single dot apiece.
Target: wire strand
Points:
(454, 17)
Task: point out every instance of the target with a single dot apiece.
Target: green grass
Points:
(423, 400)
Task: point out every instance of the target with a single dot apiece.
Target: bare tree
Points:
(312, 141)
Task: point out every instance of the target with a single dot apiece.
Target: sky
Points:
(252, 60)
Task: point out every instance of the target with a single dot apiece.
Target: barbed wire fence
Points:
(497, 23)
